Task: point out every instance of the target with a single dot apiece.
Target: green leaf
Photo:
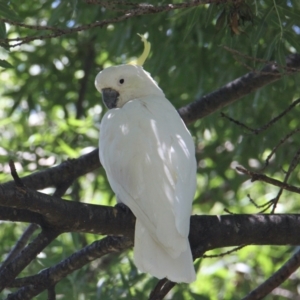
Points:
(280, 56)
(211, 11)
(7, 12)
(293, 39)
(4, 64)
(260, 32)
(280, 59)
(271, 47)
(62, 11)
(221, 20)
(67, 149)
(2, 30)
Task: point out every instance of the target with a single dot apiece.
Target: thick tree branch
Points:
(51, 293)
(236, 89)
(65, 172)
(64, 215)
(7, 213)
(34, 285)
(162, 289)
(20, 215)
(206, 231)
(210, 232)
(20, 244)
(10, 271)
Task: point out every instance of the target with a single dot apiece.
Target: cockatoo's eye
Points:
(122, 81)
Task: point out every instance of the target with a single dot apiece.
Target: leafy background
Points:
(50, 111)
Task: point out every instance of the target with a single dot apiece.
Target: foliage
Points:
(50, 111)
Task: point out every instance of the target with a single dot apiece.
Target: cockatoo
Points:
(149, 158)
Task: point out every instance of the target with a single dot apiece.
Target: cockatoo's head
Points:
(120, 84)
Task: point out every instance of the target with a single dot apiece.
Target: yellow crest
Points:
(147, 46)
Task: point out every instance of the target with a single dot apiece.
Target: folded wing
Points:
(149, 158)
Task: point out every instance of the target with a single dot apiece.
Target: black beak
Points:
(110, 97)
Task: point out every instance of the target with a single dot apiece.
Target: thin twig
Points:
(261, 177)
(15, 175)
(35, 27)
(266, 205)
(236, 53)
(282, 141)
(228, 211)
(130, 13)
(244, 64)
(276, 279)
(112, 2)
(115, 5)
(292, 166)
(274, 120)
(237, 122)
(256, 205)
(224, 253)
(267, 125)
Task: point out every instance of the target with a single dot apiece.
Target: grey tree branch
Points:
(36, 284)
(70, 216)
(11, 270)
(235, 90)
(64, 215)
(20, 244)
(20, 215)
(207, 232)
(65, 172)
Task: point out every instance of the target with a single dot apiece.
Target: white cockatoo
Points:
(149, 158)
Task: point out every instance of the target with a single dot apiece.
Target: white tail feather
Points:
(151, 257)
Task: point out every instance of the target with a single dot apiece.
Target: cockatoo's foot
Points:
(122, 207)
